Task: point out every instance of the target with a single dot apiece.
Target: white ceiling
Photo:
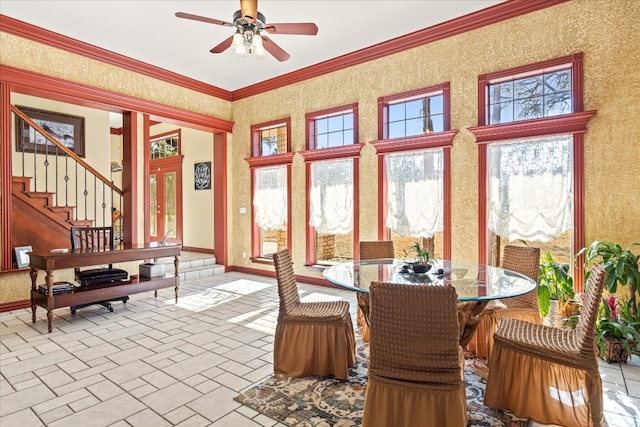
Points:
(149, 31)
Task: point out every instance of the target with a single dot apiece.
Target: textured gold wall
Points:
(603, 31)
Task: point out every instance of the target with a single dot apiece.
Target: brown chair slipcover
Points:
(375, 249)
(416, 365)
(546, 374)
(524, 260)
(312, 338)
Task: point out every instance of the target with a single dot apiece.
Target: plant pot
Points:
(615, 350)
(555, 316)
(420, 268)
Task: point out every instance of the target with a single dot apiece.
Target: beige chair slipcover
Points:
(524, 260)
(416, 366)
(546, 374)
(375, 249)
(312, 338)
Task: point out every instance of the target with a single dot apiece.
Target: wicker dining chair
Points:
(546, 374)
(524, 260)
(312, 338)
(374, 249)
(416, 364)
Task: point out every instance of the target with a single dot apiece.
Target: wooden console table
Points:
(49, 262)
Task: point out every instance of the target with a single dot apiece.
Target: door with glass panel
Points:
(165, 201)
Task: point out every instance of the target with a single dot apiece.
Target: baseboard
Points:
(14, 305)
(198, 250)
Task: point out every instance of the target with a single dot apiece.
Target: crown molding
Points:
(40, 35)
(491, 15)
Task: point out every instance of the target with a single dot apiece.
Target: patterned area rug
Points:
(325, 402)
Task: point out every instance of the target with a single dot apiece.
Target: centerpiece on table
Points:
(420, 263)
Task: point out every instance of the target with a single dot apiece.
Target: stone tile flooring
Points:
(154, 363)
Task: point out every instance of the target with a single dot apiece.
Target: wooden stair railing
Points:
(46, 205)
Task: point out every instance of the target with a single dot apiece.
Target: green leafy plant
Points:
(555, 283)
(613, 326)
(622, 267)
(422, 255)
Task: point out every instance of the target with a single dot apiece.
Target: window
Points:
(414, 152)
(531, 148)
(332, 128)
(332, 168)
(541, 94)
(271, 180)
(414, 116)
(165, 145)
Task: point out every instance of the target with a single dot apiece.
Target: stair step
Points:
(193, 265)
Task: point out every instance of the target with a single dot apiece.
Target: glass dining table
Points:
(475, 284)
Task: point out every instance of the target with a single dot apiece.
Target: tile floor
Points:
(154, 363)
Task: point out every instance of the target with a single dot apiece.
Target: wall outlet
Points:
(243, 210)
(244, 255)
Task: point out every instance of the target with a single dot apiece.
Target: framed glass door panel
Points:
(165, 201)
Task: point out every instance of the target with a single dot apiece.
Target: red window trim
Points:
(384, 101)
(310, 119)
(282, 159)
(414, 143)
(255, 134)
(574, 123)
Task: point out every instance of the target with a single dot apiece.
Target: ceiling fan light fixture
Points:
(257, 47)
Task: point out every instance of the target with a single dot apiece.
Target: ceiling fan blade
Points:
(249, 9)
(275, 50)
(301, 28)
(203, 19)
(226, 44)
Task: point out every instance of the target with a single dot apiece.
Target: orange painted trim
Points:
(5, 186)
(49, 38)
(14, 305)
(420, 142)
(115, 131)
(446, 208)
(568, 123)
(198, 250)
(44, 86)
(352, 150)
(482, 18)
(356, 208)
(578, 211)
(276, 159)
(220, 220)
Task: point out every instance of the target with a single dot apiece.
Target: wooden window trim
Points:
(574, 123)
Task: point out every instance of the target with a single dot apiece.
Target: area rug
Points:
(326, 402)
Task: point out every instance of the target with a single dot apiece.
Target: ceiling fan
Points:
(249, 24)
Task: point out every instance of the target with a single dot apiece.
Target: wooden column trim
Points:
(5, 129)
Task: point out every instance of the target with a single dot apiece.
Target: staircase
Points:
(36, 221)
(193, 265)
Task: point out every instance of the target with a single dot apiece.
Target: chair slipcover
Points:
(416, 366)
(546, 374)
(312, 338)
(524, 260)
(375, 249)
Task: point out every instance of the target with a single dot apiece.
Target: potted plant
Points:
(617, 334)
(622, 267)
(555, 290)
(419, 263)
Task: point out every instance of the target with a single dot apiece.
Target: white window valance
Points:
(270, 198)
(415, 193)
(331, 198)
(530, 188)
